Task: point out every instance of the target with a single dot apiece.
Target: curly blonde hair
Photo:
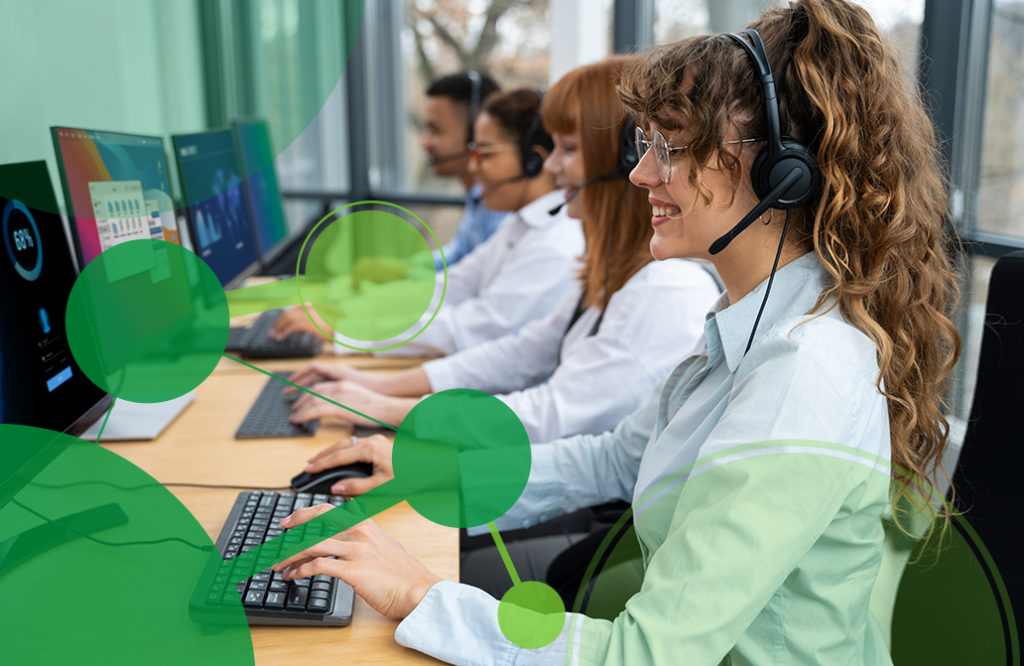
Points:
(877, 223)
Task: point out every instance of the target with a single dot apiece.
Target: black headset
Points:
(783, 154)
(533, 162)
(628, 159)
(474, 100)
(785, 173)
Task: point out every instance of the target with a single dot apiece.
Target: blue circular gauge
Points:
(21, 245)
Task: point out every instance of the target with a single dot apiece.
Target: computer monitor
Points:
(252, 138)
(116, 187)
(40, 383)
(219, 221)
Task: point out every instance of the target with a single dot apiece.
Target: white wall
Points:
(122, 65)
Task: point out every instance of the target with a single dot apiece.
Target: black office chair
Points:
(965, 603)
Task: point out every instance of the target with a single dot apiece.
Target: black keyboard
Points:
(266, 597)
(268, 416)
(255, 341)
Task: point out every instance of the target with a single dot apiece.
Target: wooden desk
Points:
(199, 447)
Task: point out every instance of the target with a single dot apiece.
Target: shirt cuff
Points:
(440, 375)
(458, 624)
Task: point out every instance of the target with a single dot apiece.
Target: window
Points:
(1001, 180)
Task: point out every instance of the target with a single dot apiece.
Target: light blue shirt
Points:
(755, 555)
(477, 224)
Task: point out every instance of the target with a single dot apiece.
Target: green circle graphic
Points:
(531, 614)
(102, 565)
(461, 457)
(369, 274)
(147, 320)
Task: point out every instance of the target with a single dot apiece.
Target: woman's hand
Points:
(319, 371)
(294, 320)
(383, 408)
(369, 559)
(375, 449)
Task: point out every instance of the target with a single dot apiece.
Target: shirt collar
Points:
(535, 213)
(795, 290)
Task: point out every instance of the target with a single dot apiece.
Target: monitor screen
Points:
(116, 187)
(219, 217)
(40, 383)
(257, 159)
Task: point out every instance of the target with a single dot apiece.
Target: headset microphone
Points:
(605, 176)
(502, 182)
(441, 159)
(757, 211)
(627, 160)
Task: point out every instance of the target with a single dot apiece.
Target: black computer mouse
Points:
(321, 482)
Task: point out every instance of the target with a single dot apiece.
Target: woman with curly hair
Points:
(759, 472)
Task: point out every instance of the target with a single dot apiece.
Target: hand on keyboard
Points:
(383, 408)
(295, 320)
(321, 371)
(375, 449)
(366, 557)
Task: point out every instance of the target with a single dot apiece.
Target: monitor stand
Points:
(138, 420)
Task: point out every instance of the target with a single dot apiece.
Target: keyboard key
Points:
(254, 598)
(319, 605)
(275, 599)
(297, 597)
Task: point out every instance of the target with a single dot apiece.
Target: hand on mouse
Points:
(375, 449)
(369, 559)
(385, 409)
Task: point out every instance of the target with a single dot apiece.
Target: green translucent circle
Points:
(461, 457)
(127, 597)
(147, 320)
(369, 274)
(531, 614)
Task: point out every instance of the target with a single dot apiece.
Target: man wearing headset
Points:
(452, 104)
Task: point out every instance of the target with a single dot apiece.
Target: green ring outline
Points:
(572, 626)
(302, 251)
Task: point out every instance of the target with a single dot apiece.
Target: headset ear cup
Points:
(533, 163)
(769, 170)
(627, 148)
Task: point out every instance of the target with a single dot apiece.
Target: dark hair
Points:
(516, 111)
(614, 211)
(877, 224)
(459, 87)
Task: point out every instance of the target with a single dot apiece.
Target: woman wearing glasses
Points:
(632, 320)
(527, 266)
(759, 472)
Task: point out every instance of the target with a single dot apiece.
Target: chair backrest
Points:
(961, 600)
(989, 477)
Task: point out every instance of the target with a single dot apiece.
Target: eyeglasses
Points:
(476, 151)
(663, 152)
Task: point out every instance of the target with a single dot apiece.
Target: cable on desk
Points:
(102, 542)
(154, 485)
(208, 485)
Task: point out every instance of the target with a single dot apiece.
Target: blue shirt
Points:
(477, 224)
(758, 484)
